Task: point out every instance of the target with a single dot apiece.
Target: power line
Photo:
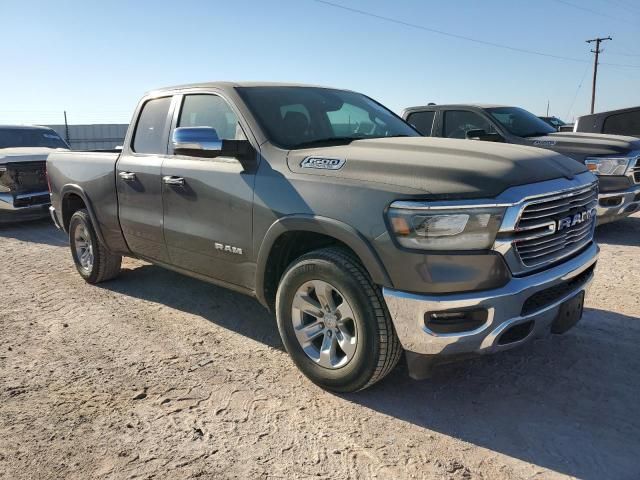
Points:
(447, 34)
(595, 12)
(461, 37)
(584, 75)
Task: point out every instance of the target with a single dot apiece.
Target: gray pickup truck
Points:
(24, 193)
(614, 158)
(364, 238)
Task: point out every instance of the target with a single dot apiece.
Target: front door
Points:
(208, 202)
(139, 181)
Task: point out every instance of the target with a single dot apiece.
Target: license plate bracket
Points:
(569, 314)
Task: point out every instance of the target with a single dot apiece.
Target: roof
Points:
(612, 112)
(26, 127)
(223, 85)
(458, 105)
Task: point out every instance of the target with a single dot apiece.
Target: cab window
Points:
(627, 123)
(422, 121)
(210, 111)
(458, 122)
(149, 136)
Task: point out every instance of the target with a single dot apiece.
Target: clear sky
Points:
(95, 58)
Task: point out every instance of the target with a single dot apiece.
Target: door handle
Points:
(127, 176)
(169, 180)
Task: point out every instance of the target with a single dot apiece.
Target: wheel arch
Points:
(71, 196)
(269, 267)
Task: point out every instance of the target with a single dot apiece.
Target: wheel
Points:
(93, 261)
(334, 323)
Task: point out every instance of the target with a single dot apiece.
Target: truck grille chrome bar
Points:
(553, 227)
(636, 171)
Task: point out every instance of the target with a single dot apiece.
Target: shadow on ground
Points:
(223, 307)
(567, 403)
(622, 232)
(34, 231)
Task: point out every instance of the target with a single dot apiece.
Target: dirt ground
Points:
(155, 375)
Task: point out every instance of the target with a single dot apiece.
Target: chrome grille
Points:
(539, 241)
(636, 171)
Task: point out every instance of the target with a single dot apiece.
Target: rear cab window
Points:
(627, 123)
(149, 136)
(30, 137)
(422, 121)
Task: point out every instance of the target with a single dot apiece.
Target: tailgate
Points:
(24, 184)
(23, 177)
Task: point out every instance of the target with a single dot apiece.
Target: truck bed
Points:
(89, 175)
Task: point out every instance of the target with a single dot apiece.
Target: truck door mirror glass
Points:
(479, 134)
(204, 142)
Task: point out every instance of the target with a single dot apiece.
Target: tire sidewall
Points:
(361, 367)
(78, 219)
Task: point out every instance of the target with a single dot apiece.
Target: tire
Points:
(371, 346)
(92, 259)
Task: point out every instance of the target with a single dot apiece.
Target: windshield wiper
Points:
(327, 141)
(538, 134)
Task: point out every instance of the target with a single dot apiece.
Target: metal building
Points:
(104, 136)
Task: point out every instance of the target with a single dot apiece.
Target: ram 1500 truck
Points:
(363, 237)
(24, 193)
(615, 159)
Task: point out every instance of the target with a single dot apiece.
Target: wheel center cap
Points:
(330, 320)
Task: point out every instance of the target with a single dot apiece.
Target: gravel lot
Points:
(155, 375)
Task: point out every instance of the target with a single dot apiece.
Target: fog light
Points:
(455, 321)
(611, 201)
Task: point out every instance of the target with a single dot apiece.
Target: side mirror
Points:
(204, 142)
(481, 134)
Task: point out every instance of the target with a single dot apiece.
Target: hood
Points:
(24, 154)
(580, 145)
(444, 168)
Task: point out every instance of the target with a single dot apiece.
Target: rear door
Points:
(208, 202)
(139, 182)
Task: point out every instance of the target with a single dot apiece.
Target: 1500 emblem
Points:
(228, 248)
(323, 163)
(575, 219)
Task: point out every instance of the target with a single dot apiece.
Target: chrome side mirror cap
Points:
(196, 141)
(204, 142)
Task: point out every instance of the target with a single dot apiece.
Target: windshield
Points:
(30, 137)
(299, 117)
(519, 122)
(553, 121)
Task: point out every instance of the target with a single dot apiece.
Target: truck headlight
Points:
(454, 229)
(608, 165)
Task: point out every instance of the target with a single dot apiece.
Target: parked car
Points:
(363, 237)
(615, 159)
(23, 185)
(555, 122)
(616, 122)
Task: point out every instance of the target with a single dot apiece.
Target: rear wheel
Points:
(93, 261)
(334, 323)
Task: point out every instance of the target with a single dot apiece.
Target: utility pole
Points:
(66, 128)
(597, 51)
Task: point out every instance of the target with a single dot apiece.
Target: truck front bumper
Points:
(616, 205)
(23, 206)
(524, 308)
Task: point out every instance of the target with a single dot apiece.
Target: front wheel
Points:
(334, 323)
(93, 261)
